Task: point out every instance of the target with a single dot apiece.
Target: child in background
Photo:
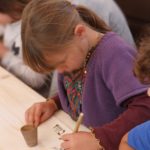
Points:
(11, 47)
(139, 137)
(95, 73)
(109, 11)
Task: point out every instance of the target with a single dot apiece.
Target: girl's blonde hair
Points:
(48, 25)
(142, 64)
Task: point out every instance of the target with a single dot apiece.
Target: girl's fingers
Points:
(29, 116)
(37, 116)
(66, 137)
(66, 145)
(45, 116)
(26, 116)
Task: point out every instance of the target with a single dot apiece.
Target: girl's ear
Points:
(80, 30)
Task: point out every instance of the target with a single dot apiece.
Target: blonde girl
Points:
(95, 73)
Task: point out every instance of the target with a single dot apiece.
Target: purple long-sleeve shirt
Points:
(109, 83)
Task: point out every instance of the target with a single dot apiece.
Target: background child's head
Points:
(12, 8)
(48, 29)
(5, 19)
(142, 65)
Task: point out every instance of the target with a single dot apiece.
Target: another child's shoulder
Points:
(145, 124)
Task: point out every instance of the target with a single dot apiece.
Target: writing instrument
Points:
(79, 121)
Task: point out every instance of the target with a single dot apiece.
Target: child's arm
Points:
(15, 65)
(124, 143)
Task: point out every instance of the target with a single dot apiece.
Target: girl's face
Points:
(71, 59)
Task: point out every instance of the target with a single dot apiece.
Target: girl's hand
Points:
(80, 141)
(3, 50)
(40, 112)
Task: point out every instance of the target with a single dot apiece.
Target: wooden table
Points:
(15, 98)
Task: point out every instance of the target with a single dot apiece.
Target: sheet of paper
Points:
(56, 128)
